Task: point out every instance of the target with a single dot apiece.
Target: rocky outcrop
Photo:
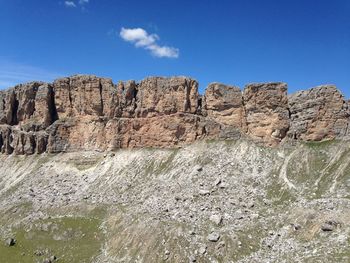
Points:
(266, 109)
(97, 134)
(45, 109)
(158, 96)
(6, 139)
(8, 112)
(225, 105)
(30, 106)
(86, 112)
(95, 114)
(82, 95)
(319, 113)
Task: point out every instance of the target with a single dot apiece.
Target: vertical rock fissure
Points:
(136, 90)
(290, 122)
(52, 106)
(101, 98)
(199, 105)
(14, 119)
(70, 94)
(9, 147)
(33, 142)
(187, 96)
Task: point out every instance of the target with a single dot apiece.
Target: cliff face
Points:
(91, 113)
(266, 108)
(319, 113)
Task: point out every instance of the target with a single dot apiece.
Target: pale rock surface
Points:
(267, 115)
(319, 113)
(159, 95)
(85, 112)
(225, 104)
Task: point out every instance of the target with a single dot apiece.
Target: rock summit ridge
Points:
(85, 112)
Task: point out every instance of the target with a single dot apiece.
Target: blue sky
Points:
(303, 43)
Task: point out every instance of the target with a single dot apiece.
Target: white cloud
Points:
(69, 4)
(75, 3)
(82, 2)
(140, 38)
(164, 51)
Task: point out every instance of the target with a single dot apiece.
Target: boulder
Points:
(10, 242)
(216, 219)
(214, 237)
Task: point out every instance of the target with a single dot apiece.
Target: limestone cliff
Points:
(319, 113)
(86, 112)
(267, 115)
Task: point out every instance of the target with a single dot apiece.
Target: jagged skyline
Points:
(174, 131)
(86, 112)
(302, 43)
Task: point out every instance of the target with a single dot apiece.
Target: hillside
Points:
(153, 171)
(211, 201)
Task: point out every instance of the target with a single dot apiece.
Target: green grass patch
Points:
(70, 239)
(320, 145)
(85, 163)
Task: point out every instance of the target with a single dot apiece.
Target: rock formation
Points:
(267, 114)
(86, 112)
(225, 105)
(319, 113)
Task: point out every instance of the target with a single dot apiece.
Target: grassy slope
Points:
(318, 171)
